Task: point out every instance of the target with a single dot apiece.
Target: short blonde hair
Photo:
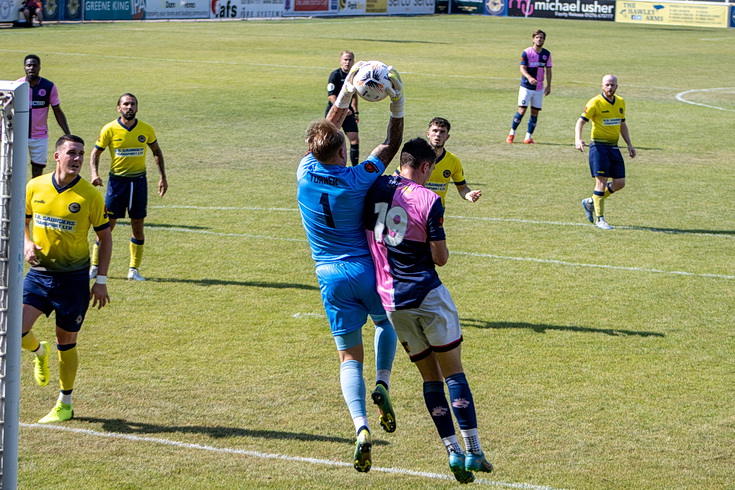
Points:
(324, 139)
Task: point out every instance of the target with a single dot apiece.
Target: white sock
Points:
(452, 444)
(471, 440)
(512, 132)
(66, 399)
(529, 136)
(359, 422)
(383, 375)
(41, 351)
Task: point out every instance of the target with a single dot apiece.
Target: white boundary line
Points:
(680, 97)
(257, 454)
(499, 257)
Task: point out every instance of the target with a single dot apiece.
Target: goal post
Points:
(14, 121)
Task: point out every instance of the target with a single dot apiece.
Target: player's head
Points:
(68, 137)
(32, 66)
(438, 132)
(346, 60)
(127, 106)
(69, 154)
(418, 159)
(609, 85)
(326, 142)
(538, 37)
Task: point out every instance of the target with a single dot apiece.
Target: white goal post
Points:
(14, 120)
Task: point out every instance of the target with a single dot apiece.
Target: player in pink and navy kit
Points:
(404, 227)
(43, 94)
(535, 84)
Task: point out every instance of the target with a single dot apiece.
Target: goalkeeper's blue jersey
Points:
(331, 201)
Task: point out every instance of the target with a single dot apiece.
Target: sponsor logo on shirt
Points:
(612, 121)
(53, 223)
(129, 152)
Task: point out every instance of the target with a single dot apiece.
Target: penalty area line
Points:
(261, 455)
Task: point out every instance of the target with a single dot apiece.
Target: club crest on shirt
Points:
(75, 207)
(42, 92)
(446, 174)
(141, 138)
(371, 167)
(79, 320)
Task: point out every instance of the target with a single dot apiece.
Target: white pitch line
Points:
(680, 97)
(475, 218)
(597, 266)
(500, 257)
(258, 454)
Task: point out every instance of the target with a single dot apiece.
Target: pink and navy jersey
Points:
(535, 64)
(401, 218)
(42, 96)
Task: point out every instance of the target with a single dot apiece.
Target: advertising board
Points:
(563, 9)
(681, 14)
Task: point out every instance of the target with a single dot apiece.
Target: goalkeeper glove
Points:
(395, 92)
(348, 89)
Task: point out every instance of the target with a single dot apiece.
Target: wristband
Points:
(101, 280)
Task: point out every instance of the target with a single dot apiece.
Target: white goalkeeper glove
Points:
(348, 89)
(395, 92)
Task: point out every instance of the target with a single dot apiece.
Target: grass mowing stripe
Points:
(472, 254)
(477, 218)
(257, 454)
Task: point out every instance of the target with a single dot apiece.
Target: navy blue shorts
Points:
(349, 295)
(67, 294)
(606, 161)
(127, 193)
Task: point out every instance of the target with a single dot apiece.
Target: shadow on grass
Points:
(543, 328)
(249, 284)
(678, 231)
(124, 222)
(122, 426)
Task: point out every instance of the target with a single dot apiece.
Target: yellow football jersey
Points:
(128, 146)
(448, 167)
(60, 221)
(606, 118)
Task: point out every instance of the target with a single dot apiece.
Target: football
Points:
(371, 81)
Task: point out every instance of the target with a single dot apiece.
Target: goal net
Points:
(14, 114)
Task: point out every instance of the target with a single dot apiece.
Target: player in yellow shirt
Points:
(448, 165)
(607, 113)
(128, 139)
(60, 209)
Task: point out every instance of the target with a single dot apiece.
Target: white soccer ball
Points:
(371, 81)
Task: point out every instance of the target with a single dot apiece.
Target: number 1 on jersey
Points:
(324, 201)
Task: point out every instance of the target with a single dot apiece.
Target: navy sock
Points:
(532, 124)
(355, 155)
(516, 120)
(463, 405)
(436, 403)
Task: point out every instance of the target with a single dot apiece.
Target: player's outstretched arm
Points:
(341, 107)
(98, 294)
(578, 142)
(392, 144)
(468, 194)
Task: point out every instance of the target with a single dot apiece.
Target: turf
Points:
(597, 359)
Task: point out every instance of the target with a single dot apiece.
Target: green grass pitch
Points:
(597, 359)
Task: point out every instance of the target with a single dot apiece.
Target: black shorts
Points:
(65, 293)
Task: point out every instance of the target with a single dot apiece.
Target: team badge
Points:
(42, 92)
(75, 207)
(446, 174)
(141, 138)
(370, 167)
(621, 110)
(79, 320)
